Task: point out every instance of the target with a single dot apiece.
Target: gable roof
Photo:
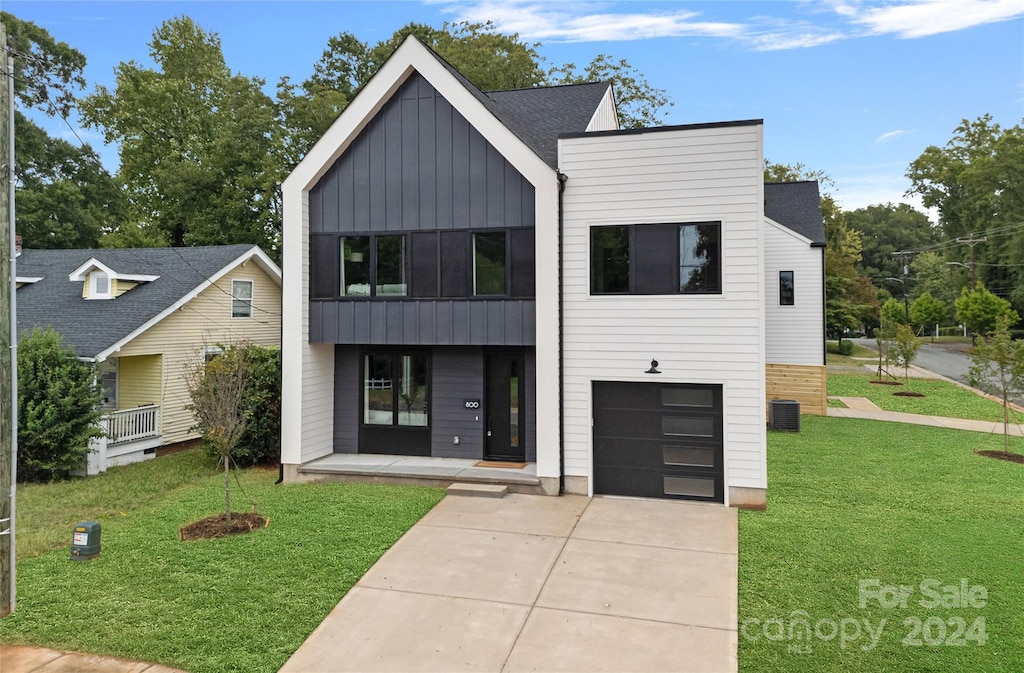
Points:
(93, 327)
(796, 206)
(539, 114)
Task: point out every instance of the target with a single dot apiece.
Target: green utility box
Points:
(85, 543)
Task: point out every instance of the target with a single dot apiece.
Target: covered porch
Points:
(420, 470)
(131, 435)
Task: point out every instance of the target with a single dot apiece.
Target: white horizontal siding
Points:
(794, 335)
(680, 175)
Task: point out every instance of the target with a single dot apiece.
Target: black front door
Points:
(503, 427)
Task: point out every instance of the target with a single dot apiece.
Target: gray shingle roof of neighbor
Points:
(796, 206)
(537, 115)
(92, 326)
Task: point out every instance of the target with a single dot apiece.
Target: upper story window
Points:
(99, 285)
(656, 259)
(787, 295)
(450, 264)
(241, 299)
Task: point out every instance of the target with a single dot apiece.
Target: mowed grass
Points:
(833, 357)
(243, 603)
(941, 398)
(852, 500)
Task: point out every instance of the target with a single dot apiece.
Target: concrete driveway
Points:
(535, 583)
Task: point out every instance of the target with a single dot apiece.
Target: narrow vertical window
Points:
(390, 266)
(489, 264)
(609, 260)
(355, 266)
(241, 299)
(786, 293)
(513, 395)
(412, 391)
(378, 390)
(699, 259)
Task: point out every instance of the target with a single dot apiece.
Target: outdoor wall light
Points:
(654, 368)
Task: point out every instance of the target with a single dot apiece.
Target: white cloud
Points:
(571, 22)
(891, 135)
(931, 17)
(799, 38)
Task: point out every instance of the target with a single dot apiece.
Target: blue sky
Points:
(855, 88)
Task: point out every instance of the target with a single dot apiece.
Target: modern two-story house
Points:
(509, 277)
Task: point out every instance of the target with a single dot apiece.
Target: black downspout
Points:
(561, 358)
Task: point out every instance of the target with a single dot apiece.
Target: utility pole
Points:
(904, 272)
(970, 243)
(8, 342)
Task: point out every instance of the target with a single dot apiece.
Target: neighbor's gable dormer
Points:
(99, 281)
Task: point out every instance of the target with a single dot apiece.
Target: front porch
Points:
(131, 435)
(423, 471)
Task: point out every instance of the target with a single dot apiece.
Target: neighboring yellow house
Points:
(145, 315)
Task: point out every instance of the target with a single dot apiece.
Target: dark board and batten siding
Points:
(410, 322)
(419, 165)
(346, 399)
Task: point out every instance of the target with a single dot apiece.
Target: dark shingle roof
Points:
(92, 326)
(797, 206)
(538, 114)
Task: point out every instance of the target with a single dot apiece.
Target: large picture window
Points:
(395, 390)
(656, 259)
(489, 263)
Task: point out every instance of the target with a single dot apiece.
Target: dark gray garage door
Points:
(658, 440)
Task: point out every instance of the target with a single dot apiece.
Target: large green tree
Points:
(888, 228)
(194, 141)
(66, 199)
(977, 183)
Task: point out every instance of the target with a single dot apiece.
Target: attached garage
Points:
(658, 440)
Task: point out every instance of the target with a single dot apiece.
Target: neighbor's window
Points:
(489, 263)
(100, 284)
(786, 293)
(610, 260)
(390, 266)
(355, 266)
(241, 299)
(699, 259)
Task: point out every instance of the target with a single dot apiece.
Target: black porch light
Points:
(654, 368)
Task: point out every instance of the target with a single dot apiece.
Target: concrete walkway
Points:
(526, 583)
(26, 659)
(994, 427)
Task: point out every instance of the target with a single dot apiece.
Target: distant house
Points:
(794, 280)
(144, 315)
(509, 277)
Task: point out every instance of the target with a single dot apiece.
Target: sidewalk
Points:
(994, 427)
(27, 659)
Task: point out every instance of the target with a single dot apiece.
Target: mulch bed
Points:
(1011, 457)
(217, 526)
(885, 383)
(908, 393)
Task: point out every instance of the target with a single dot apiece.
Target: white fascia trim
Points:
(786, 230)
(27, 280)
(412, 56)
(93, 263)
(253, 253)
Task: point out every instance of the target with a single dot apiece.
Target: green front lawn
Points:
(833, 357)
(941, 398)
(242, 603)
(853, 501)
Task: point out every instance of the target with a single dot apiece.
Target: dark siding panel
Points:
(443, 314)
(530, 404)
(427, 321)
(378, 181)
(427, 171)
(346, 197)
(395, 323)
(457, 375)
(361, 184)
(378, 322)
(477, 322)
(316, 323)
(527, 198)
(392, 170)
(460, 171)
(329, 196)
(477, 179)
(324, 258)
(495, 188)
(346, 322)
(410, 165)
(455, 264)
(316, 218)
(513, 322)
(495, 321)
(523, 266)
(329, 322)
(460, 323)
(512, 201)
(424, 264)
(443, 169)
(346, 399)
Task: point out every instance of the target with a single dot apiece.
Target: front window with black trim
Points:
(390, 266)
(489, 263)
(656, 259)
(787, 294)
(355, 266)
(395, 389)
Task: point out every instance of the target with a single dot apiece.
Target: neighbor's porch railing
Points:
(128, 425)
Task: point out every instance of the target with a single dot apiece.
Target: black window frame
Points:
(792, 289)
(395, 355)
(506, 267)
(654, 260)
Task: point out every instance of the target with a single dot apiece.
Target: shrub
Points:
(58, 407)
(846, 347)
(260, 444)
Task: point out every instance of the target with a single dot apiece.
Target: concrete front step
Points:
(478, 490)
